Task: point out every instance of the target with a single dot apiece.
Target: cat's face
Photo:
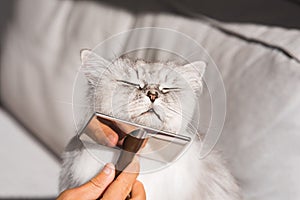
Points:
(159, 95)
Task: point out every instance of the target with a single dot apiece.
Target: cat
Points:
(160, 95)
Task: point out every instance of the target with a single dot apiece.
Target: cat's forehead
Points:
(157, 71)
(152, 67)
(148, 72)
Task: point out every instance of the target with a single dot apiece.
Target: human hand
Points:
(102, 131)
(103, 185)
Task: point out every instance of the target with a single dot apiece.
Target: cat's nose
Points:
(152, 95)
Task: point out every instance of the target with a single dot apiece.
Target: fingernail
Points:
(108, 168)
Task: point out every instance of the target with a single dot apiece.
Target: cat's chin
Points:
(150, 119)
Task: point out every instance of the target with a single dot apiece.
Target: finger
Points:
(102, 133)
(138, 191)
(110, 136)
(126, 128)
(67, 194)
(97, 185)
(121, 187)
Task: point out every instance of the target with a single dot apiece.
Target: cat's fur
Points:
(120, 90)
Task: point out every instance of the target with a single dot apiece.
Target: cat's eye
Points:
(129, 83)
(140, 86)
(165, 90)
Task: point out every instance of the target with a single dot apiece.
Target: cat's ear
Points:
(193, 73)
(198, 68)
(84, 54)
(92, 65)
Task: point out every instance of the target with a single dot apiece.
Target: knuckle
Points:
(66, 195)
(98, 184)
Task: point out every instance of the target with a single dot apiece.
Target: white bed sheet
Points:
(27, 169)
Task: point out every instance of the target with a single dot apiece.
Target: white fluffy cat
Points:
(160, 95)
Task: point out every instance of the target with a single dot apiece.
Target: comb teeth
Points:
(156, 149)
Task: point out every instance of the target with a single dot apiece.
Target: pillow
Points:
(261, 137)
(41, 56)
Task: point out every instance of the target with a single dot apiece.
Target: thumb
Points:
(97, 185)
